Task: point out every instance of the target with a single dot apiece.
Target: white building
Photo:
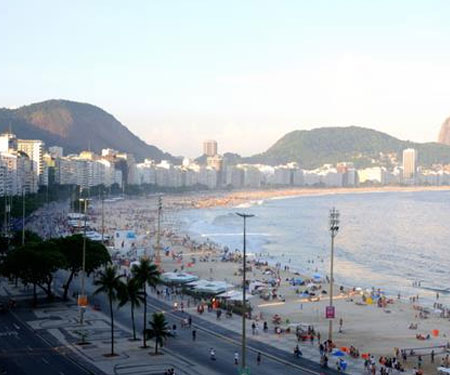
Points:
(373, 175)
(34, 148)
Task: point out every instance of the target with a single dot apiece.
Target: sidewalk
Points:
(58, 323)
(285, 342)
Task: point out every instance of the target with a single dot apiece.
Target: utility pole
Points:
(5, 221)
(244, 282)
(334, 228)
(158, 233)
(82, 299)
(23, 216)
(103, 216)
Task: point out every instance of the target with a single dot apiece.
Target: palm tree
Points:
(159, 330)
(130, 291)
(146, 273)
(109, 283)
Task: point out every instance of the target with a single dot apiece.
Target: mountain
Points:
(444, 134)
(76, 127)
(313, 148)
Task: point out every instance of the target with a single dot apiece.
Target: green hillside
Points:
(313, 148)
(76, 127)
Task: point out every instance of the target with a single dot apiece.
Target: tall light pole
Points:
(158, 234)
(103, 216)
(23, 216)
(244, 281)
(83, 300)
(334, 228)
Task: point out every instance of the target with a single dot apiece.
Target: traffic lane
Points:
(24, 352)
(275, 358)
(272, 357)
(198, 351)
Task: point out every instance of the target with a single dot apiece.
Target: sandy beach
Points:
(366, 326)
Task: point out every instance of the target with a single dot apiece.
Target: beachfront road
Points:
(23, 351)
(224, 341)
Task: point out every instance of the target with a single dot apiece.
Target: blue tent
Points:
(338, 353)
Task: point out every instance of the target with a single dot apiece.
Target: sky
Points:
(242, 72)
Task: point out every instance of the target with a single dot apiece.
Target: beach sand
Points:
(369, 328)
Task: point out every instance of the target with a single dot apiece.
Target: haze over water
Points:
(386, 240)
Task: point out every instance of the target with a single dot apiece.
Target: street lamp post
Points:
(244, 281)
(23, 216)
(83, 273)
(103, 216)
(334, 228)
(158, 234)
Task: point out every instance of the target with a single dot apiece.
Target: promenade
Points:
(59, 323)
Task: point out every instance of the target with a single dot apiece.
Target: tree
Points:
(146, 273)
(72, 249)
(30, 236)
(109, 283)
(34, 263)
(159, 330)
(130, 292)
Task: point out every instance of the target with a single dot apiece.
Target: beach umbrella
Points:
(317, 276)
(338, 353)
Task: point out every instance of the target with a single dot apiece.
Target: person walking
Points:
(194, 335)
(212, 354)
(258, 358)
(236, 358)
(341, 322)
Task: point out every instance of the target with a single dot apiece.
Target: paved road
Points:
(224, 341)
(23, 351)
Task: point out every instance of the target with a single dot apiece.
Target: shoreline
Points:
(366, 326)
(236, 198)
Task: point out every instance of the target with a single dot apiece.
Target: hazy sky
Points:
(241, 72)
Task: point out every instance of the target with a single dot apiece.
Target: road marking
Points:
(61, 373)
(8, 333)
(44, 360)
(16, 326)
(29, 348)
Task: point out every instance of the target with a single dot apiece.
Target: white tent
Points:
(234, 295)
(180, 278)
(212, 287)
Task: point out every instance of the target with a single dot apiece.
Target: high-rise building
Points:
(409, 164)
(210, 147)
(35, 151)
(8, 142)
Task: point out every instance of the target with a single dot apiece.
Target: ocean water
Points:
(386, 240)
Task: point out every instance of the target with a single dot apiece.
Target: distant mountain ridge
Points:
(76, 127)
(313, 148)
